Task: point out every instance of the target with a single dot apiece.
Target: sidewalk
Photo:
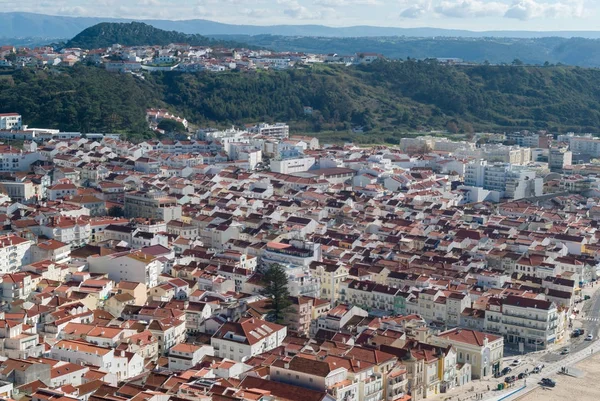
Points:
(550, 370)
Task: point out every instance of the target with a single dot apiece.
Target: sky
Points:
(459, 14)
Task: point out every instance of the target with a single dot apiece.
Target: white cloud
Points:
(297, 11)
(467, 14)
(148, 3)
(413, 12)
(414, 9)
(528, 9)
(470, 8)
(341, 3)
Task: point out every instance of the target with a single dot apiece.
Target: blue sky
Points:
(461, 14)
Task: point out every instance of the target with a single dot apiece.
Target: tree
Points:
(276, 288)
(452, 127)
(171, 126)
(116, 211)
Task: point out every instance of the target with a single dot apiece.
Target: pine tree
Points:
(276, 288)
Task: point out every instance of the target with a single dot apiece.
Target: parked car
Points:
(589, 337)
(510, 379)
(548, 382)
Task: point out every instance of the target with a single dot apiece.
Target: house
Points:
(61, 191)
(136, 290)
(53, 250)
(317, 375)
(242, 340)
(186, 356)
(169, 332)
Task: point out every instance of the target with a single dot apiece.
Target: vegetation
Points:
(85, 99)
(275, 280)
(116, 211)
(537, 51)
(387, 99)
(136, 34)
(171, 126)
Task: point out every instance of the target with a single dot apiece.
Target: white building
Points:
(533, 322)
(483, 351)
(185, 356)
(152, 205)
(242, 340)
(559, 158)
(15, 252)
(586, 144)
(509, 181)
(14, 159)
(133, 266)
(292, 165)
(10, 121)
(277, 130)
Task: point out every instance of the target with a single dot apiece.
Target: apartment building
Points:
(507, 180)
(15, 159)
(11, 121)
(133, 266)
(373, 297)
(530, 321)
(294, 252)
(331, 277)
(277, 130)
(559, 158)
(15, 252)
(152, 205)
(586, 144)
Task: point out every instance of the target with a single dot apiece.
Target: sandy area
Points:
(586, 388)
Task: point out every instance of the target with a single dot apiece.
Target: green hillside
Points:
(387, 98)
(138, 34)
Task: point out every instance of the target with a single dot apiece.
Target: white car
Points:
(589, 337)
(516, 362)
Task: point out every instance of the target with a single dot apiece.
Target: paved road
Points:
(590, 323)
(554, 361)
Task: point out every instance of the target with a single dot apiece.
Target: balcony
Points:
(526, 326)
(525, 317)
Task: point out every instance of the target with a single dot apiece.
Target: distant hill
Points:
(574, 51)
(106, 34)
(20, 25)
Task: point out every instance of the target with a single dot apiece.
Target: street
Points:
(552, 359)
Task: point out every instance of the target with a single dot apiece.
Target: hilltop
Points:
(388, 99)
(137, 34)
(22, 24)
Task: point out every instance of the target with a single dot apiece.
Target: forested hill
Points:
(535, 51)
(137, 34)
(387, 98)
